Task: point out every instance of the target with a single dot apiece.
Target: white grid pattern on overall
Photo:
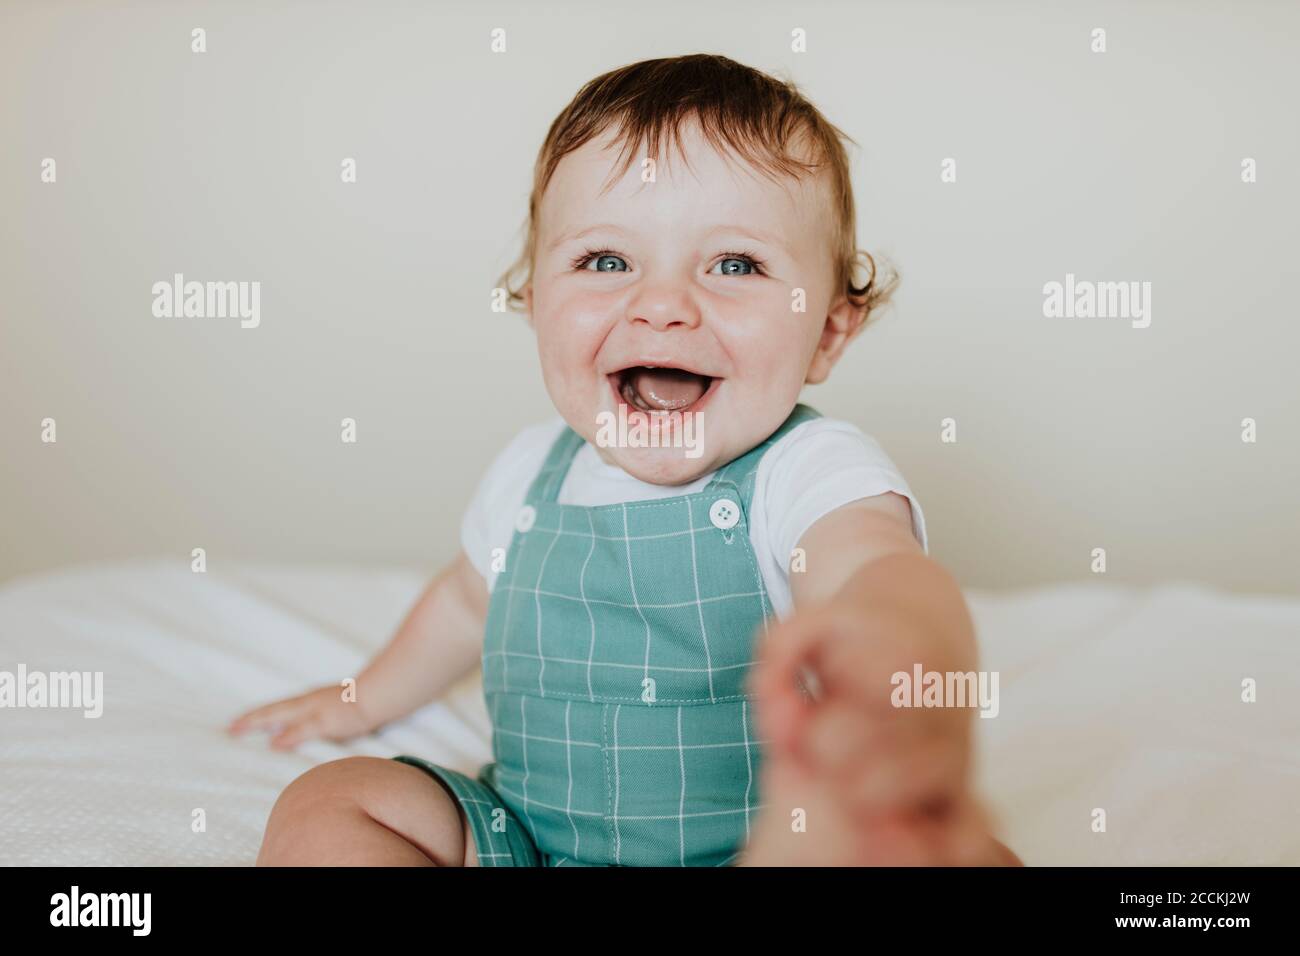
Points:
(581, 599)
(631, 580)
(582, 589)
(530, 803)
(577, 660)
(601, 662)
(537, 601)
(704, 630)
(477, 804)
(524, 578)
(530, 807)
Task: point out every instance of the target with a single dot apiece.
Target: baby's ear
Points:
(528, 301)
(843, 322)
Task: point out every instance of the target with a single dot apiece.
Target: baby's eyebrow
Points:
(579, 233)
(742, 231)
(752, 234)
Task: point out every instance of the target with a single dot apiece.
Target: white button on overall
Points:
(524, 520)
(724, 514)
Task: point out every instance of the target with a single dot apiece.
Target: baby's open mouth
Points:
(652, 388)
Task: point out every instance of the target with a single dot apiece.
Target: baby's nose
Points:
(663, 303)
(663, 321)
(665, 312)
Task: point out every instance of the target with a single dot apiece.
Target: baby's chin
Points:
(662, 466)
(662, 448)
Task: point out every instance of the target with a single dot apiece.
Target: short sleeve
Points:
(489, 520)
(820, 466)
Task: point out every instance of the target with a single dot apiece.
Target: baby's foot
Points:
(807, 820)
(848, 777)
(830, 798)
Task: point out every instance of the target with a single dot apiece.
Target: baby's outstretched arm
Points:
(894, 780)
(439, 642)
(869, 603)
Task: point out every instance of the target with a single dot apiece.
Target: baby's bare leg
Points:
(367, 811)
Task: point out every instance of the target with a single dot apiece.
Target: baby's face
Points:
(675, 297)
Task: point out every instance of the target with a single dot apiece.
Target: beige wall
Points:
(1072, 433)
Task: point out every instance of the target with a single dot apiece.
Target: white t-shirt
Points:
(816, 467)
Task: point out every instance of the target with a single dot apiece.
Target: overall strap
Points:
(740, 473)
(546, 486)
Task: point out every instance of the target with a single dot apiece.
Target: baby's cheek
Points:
(777, 341)
(779, 369)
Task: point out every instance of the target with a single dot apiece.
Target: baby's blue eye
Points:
(608, 263)
(736, 267)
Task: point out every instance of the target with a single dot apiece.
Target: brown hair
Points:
(763, 119)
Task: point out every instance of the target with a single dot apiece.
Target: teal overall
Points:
(618, 642)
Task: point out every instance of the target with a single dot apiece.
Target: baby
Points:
(687, 623)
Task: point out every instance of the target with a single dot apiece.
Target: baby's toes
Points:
(837, 737)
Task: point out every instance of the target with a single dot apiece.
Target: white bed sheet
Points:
(1118, 698)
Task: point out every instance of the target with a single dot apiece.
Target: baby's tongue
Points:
(667, 389)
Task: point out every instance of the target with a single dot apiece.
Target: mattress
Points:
(1120, 699)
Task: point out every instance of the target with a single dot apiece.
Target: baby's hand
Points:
(321, 713)
(880, 759)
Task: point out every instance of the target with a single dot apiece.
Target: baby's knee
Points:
(349, 778)
(313, 804)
